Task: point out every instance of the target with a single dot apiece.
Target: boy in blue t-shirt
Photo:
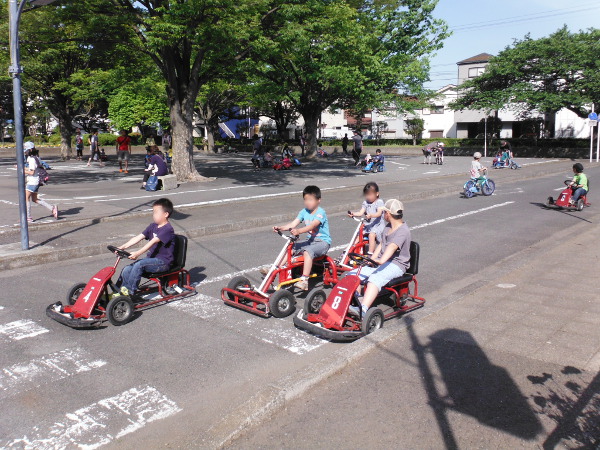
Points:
(160, 247)
(316, 225)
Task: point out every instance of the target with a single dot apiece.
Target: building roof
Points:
(481, 58)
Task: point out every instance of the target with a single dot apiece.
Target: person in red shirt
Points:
(123, 150)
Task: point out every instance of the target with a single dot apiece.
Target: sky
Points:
(488, 26)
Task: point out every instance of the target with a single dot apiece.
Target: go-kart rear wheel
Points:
(282, 303)
(314, 301)
(119, 310)
(488, 188)
(550, 201)
(240, 283)
(372, 321)
(74, 293)
(580, 205)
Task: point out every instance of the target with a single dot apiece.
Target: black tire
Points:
(282, 303)
(580, 205)
(550, 201)
(237, 283)
(119, 310)
(74, 293)
(488, 188)
(372, 321)
(314, 301)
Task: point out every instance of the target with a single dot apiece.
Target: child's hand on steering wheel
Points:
(276, 229)
(294, 232)
(135, 255)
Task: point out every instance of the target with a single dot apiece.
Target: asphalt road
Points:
(169, 375)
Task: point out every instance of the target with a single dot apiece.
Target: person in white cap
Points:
(477, 169)
(32, 184)
(392, 254)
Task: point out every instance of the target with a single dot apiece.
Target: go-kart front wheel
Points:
(550, 201)
(314, 301)
(74, 293)
(282, 303)
(119, 310)
(372, 321)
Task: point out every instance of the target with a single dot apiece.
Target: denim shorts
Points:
(381, 275)
(314, 248)
(123, 155)
(32, 188)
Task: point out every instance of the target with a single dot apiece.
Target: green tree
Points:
(358, 54)
(62, 47)
(414, 128)
(544, 75)
(190, 42)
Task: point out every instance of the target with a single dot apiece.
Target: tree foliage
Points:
(558, 71)
(414, 127)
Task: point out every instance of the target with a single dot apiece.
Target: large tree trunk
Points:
(183, 144)
(210, 138)
(66, 134)
(311, 124)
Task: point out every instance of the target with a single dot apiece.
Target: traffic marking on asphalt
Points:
(433, 171)
(506, 285)
(21, 329)
(45, 369)
(460, 216)
(98, 424)
(278, 332)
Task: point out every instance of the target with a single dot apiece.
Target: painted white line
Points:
(9, 203)
(459, 216)
(1, 308)
(252, 197)
(540, 162)
(21, 329)
(343, 246)
(45, 369)
(433, 171)
(275, 332)
(506, 285)
(98, 424)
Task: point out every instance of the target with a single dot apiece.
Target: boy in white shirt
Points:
(477, 169)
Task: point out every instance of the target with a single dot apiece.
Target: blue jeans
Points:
(132, 274)
(578, 193)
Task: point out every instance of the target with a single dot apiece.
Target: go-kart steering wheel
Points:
(362, 259)
(118, 251)
(568, 182)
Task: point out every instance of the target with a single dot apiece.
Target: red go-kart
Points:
(329, 316)
(272, 297)
(358, 244)
(90, 304)
(564, 199)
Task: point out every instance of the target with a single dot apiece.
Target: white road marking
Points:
(506, 285)
(273, 331)
(459, 216)
(433, 171)
(9, 203)
(21, 329)
(98, 424)
(45, 369)
(540, 162)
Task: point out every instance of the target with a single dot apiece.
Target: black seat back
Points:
(180, 251)
(414, 258)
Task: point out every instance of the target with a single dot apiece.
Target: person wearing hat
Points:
(392, 254)
(477, 169)
(32, 184)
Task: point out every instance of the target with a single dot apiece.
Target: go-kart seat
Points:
(413, 269)
(179, 260)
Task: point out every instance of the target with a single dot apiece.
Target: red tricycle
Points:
(89, 304)
(358, 244)
(564, 199)
(330, 317)
(273, 297)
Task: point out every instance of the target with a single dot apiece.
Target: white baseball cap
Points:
(28, 146)
(477, 155)
(393, 206)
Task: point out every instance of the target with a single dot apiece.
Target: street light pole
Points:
(14, 12)
(15, 9)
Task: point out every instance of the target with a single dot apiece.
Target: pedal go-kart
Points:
(564, 199)
(273, 297)
(357, 244)
(328, 316)
(90, 304)
(472, 187)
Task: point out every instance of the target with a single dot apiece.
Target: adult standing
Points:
(166, 142)
(257, 145)
(302, 143)
(123, 150)
(345, 141)
(33, 182)
(156, 166)
(356, 147)
(79, 144)
(94, 148)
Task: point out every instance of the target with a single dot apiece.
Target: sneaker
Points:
(120, 170)
(264, 271)
(127, 171)
(354, 310)
(30, 220)
(124, 291)
(302, 285)
(143, 188)
(114, 295)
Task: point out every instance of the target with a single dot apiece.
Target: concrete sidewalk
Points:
(514, 363)
(55, 241)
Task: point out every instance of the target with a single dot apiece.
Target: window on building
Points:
(437, 134)
(437, 109)
(476, 71)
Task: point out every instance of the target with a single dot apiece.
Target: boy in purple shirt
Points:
(160, 247)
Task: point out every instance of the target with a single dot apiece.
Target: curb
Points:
(33, 258)
(274, 397)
